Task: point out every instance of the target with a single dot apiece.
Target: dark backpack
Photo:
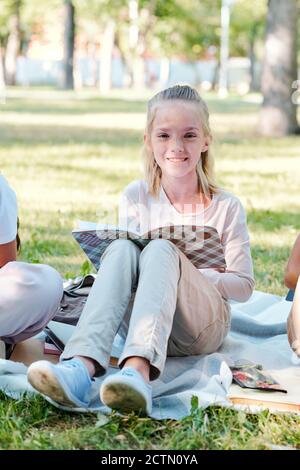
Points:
(74, 299)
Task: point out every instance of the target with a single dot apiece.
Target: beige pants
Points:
(157, 299)
(30, 296)
(293, 322)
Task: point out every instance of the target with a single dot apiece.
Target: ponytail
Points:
(17, 237)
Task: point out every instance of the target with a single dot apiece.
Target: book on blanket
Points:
(249, 375)
(201, 244)
(262, 398)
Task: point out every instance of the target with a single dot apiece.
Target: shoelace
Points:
(76, 365)
(70, 365)
(129, 373)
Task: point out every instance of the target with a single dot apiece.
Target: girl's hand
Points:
(292, 271)
(8, 252)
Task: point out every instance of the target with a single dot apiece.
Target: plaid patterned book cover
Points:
(201, 245)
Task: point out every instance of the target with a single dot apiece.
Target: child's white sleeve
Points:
(237, 283)
(128, 214)
(8, 213)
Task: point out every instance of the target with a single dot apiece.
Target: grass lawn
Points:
(68, 156)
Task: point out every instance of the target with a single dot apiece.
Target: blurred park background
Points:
(74, 80)
(224, 45)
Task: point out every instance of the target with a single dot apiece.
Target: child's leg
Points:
(150, 323)
(106, 304)
(30, 297)
(88, 351)
(177, 310)
(151, 318)
(293, 322)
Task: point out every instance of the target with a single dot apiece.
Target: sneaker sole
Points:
(120, 396)
(43, 380)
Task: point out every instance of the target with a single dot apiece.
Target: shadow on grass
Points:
(71, 176)
(73, 106)
(257, 147)
(230, 105)
(70, 103)
(31, 135)
(270, 221)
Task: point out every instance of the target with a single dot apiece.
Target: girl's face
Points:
(177, 138)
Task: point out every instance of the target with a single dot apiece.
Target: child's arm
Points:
(8, 223)
(237, 283)
(8, 252)
(292, 270)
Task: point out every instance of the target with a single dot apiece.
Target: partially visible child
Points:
(30, 293)
(292, 281)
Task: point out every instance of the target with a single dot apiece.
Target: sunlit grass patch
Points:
(68, 156)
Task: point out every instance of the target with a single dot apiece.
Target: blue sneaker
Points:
(127, 391)
(67, 382)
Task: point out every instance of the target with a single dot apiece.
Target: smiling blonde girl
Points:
(156, 298)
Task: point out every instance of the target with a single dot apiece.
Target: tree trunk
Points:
(136, 47)
(106, 52)
(69, 41)
(252, 57)
(126, 61)
(164, 72)
(93, 53)
(138, 73)
(138, 38)
(13, 46)
(2, 80)
(278, 113)
(216, 75)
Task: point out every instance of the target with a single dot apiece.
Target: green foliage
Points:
(169, 27)
(34, 14)
(8, 8)
(188, 27)
(247, 24)
(86, 268)
(98, 9)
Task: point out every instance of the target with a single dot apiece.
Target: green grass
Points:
(68, 156)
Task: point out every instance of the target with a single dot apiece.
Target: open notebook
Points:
(201, 244)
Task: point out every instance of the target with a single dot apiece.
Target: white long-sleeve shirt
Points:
(8, 212)
(225, 213)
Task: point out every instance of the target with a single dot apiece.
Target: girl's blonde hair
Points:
(205, 165)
